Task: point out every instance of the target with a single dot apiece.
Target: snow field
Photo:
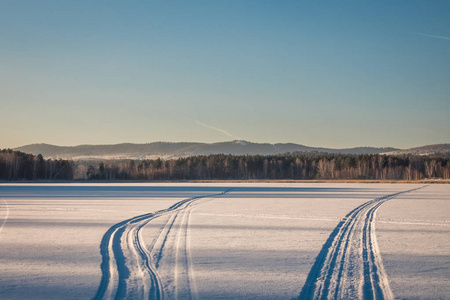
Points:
(264, 244)
(49, 246)
(218, 240)
(413, 234)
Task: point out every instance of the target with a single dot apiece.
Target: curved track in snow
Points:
(349, 266)
(129, 266)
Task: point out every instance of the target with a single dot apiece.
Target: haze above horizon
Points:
(323, 74)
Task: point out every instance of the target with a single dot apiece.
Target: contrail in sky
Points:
(434, 36)
(214, 128)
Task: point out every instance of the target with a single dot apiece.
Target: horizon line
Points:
(229, 141)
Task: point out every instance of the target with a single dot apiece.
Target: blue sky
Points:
(320, 73)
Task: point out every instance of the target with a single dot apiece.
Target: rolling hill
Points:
(173, 150)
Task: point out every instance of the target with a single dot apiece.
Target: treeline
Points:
(15, 165)
(281, 167)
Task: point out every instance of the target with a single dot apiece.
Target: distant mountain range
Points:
(424, 150)
(173, 150)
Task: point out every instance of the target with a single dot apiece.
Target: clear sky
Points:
(319, 73)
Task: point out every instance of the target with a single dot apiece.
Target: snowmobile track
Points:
(127, 268)
(349, 266)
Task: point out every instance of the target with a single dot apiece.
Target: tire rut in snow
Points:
(172, 254)
(349, 265)
(127, 269)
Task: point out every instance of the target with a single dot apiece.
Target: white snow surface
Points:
(414, 237)
(222, 241)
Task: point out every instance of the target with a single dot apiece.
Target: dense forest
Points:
(297, 166)
(15, 165)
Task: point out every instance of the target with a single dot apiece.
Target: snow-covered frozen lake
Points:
(224, 241)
